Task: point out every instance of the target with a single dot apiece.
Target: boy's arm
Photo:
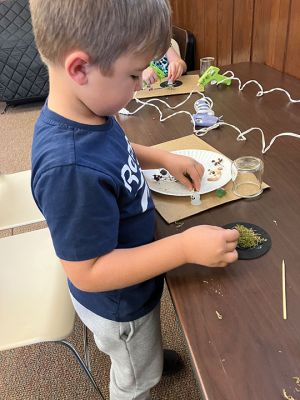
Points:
(174, 57)
(205, 245)
(187, 170)
(150, 157)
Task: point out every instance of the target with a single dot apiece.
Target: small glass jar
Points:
(247, 175)
(205, 63)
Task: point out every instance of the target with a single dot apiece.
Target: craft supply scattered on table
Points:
(286, 396)
(220, 316)
(297, 389)
(283, 291)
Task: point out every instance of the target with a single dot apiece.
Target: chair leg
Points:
(82, 364)
(86, 347)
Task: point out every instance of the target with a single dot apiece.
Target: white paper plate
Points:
(212, 165)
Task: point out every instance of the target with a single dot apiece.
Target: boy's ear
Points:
(76, 66)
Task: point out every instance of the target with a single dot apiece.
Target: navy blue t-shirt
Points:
(88, 184)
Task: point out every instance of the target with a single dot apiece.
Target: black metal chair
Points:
(187, 43)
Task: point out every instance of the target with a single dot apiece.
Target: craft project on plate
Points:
(217, 173)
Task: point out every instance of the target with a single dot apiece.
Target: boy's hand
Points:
(149, 76)
(210, 245)
(175, 70)
(186, 170)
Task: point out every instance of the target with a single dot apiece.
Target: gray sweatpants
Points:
(135, 350)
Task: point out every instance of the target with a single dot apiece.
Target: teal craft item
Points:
(160, 74)
(211, 74)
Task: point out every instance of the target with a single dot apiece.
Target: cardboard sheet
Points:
(189, 83)
(173, 208)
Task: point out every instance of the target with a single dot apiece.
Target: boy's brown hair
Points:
(104, 29)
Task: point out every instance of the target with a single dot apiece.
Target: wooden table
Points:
(251, 353)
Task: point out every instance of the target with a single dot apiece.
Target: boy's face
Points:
(107, 94)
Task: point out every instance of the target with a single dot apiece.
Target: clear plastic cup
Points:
(205, 63)
(247, 176)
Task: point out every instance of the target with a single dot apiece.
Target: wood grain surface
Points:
(265, 31)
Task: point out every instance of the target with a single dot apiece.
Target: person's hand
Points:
(186, 170)
(149, 76)
(211, 246)
(176, 69)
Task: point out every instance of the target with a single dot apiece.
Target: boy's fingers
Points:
(232, 256)
(195, 174)
(187, 183)
(200, 169)
(231, 246)
(232, 235)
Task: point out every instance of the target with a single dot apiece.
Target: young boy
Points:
(87, 180)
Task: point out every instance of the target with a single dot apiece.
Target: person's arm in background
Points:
(149, 76)
(176, 68)
(177, 65)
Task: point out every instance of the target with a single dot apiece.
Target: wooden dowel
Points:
(283, 291)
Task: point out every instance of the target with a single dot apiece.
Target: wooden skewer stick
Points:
(283, 291)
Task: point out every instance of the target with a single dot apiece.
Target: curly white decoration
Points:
(203, 131)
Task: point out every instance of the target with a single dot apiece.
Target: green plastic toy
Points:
(160, 74)
(211, 74)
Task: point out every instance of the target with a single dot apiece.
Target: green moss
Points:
(248, 237)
